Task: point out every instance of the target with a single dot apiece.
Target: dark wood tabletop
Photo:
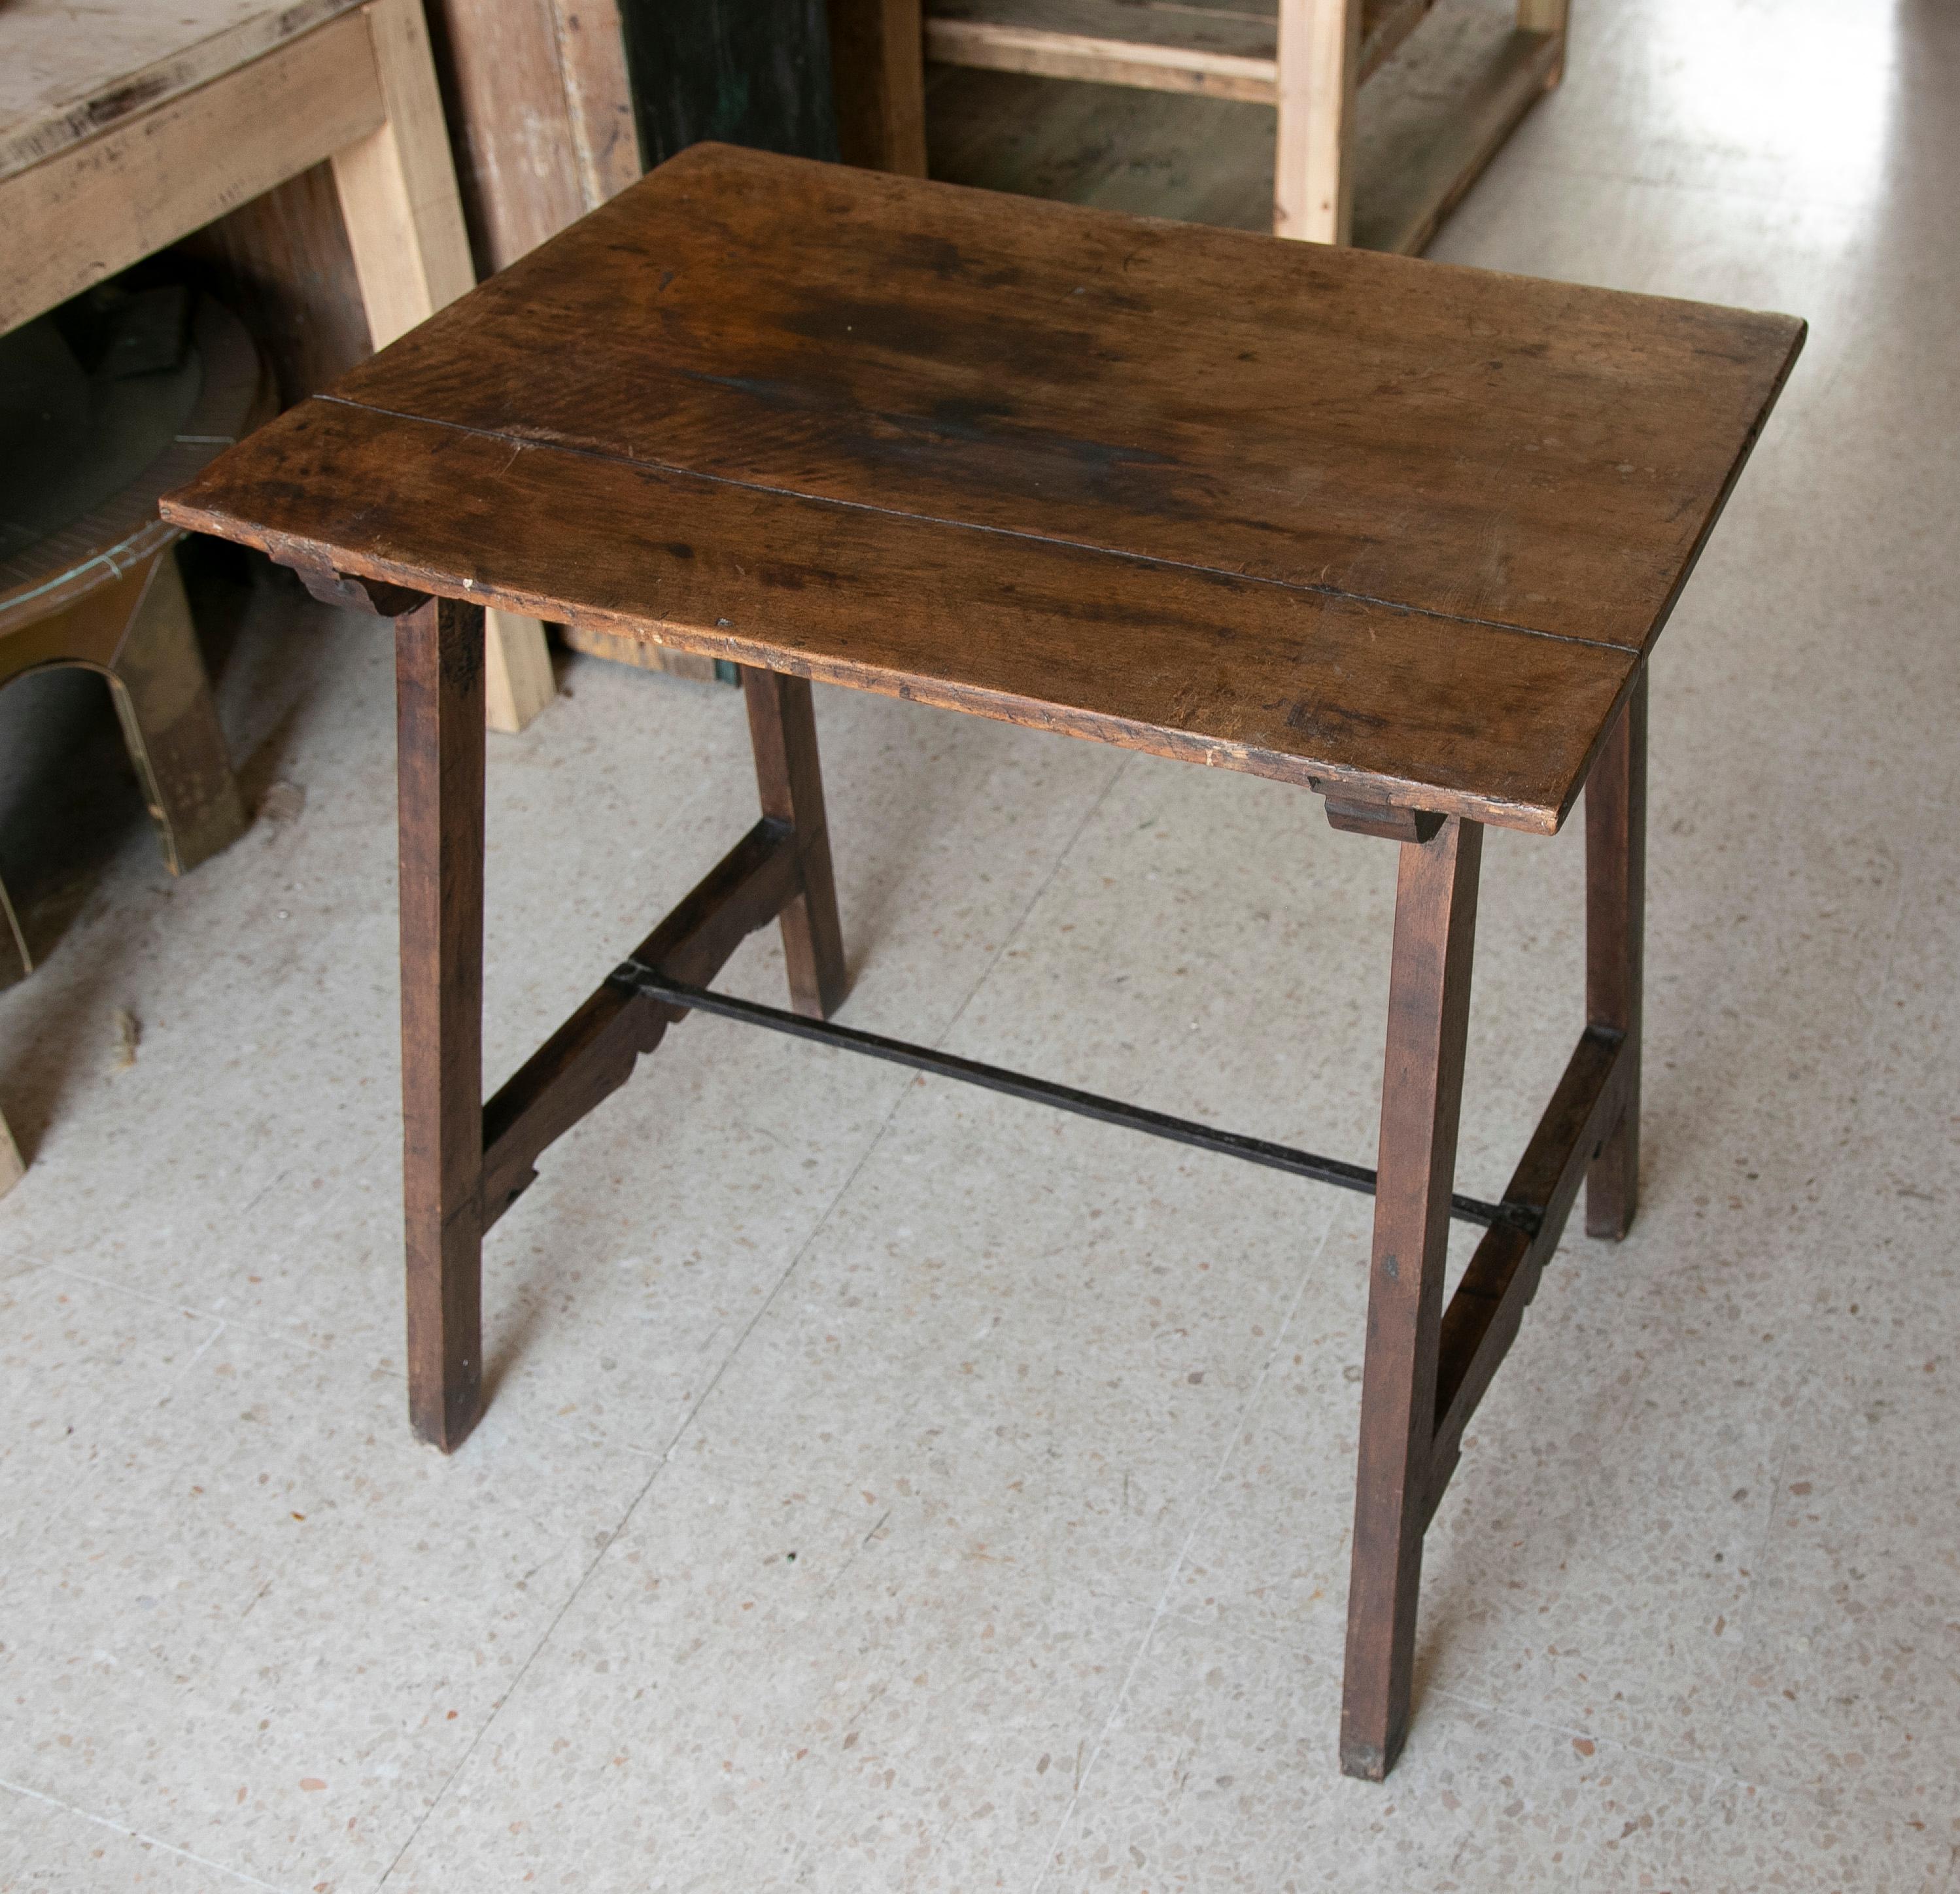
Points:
(1317, 514)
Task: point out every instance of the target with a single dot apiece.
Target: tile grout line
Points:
(1162, 1609)
(182, 1308)
(137, 1835)
(768, 1302)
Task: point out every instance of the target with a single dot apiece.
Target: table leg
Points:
(1422, 1089)
(439, 760)
(782, 727)
(1616, 850)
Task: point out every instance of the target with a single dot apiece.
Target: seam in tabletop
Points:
(521, 442)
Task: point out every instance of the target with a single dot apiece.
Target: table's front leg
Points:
(1616, 854)
(1422, 1089)
(439, 760)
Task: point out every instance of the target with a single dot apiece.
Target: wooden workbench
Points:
(124, 127)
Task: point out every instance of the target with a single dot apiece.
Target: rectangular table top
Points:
(1317, 514)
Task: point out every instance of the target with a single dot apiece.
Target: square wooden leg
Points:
(782, 727)
(1422, 1090)
(439, 761)
(1616, 850)
(1319, 74)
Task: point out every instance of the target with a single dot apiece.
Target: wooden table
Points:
(1401, 534)
(125, 125)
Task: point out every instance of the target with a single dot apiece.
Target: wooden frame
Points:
(1083, 533)
(1428, 1366)
(229, 119)
(1308, 59)
(465, 1162)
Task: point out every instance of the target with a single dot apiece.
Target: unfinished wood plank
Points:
(598, 97)
(404, 220)
(1224, 51)
(94, 207)
(1208, 51)
(398, 187)
(518, 163)
(1435, 117)
(74, 68)
(11, 1169)
(1319, 74)
(518, 681)
(640, 654)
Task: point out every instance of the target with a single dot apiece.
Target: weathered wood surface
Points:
(439, 750)
(877, 81)
(71, 69)
(1616, 855)
(1283, 682)
(1425, 133)
(504, 91)
(1220, 49)
(1170, 487)
(96, 206)
(1422, 1096)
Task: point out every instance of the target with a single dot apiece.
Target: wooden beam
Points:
(598, 97)
(1435, 119)
(398, 187)
(93, 208)
(1422, 1094)
(439, 760)
(878, 84)
(1216, 54)
(1319, 74)
(592, 1054)
(1213, 51)
(1485, 1313)
(1616, 855)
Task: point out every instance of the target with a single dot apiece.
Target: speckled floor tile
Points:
(759, 1692)
(1057, 1424)
(1219, 1771)
(255, 1622)
(45, 1847)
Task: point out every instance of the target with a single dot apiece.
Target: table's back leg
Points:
(1616, 849)
(783, 728)
(1422, 1089)
(439, 759)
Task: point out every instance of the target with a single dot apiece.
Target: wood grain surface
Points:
(1302, 512)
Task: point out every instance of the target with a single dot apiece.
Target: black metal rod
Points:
(652, 986)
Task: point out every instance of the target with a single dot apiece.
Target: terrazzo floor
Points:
(888, 1486)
